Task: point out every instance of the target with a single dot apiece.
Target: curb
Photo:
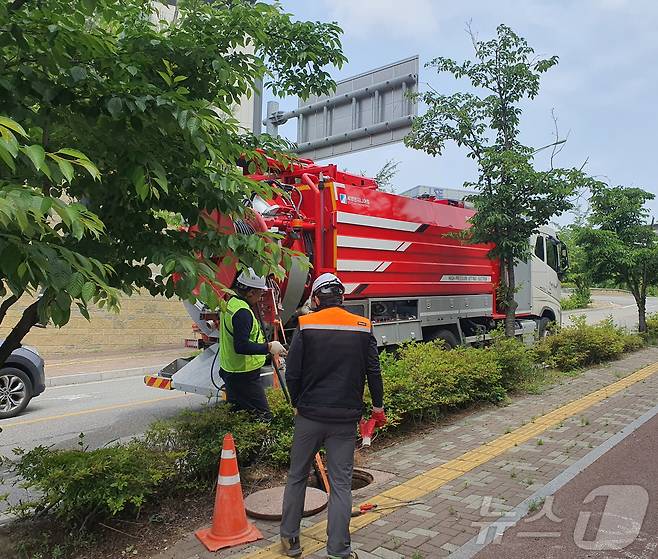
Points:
(82, 378)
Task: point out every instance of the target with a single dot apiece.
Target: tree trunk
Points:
(642, 316)
(13, 340)
(510, 303)
(4, 307)
(641, 300)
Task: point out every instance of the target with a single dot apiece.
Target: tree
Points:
(386, 174)
(513, 198)
(579, 272)
(150, 102)
(36, 231)
(619, 244)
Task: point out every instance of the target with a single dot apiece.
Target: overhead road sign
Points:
(365, 111)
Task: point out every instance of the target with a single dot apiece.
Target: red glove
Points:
(379, 416)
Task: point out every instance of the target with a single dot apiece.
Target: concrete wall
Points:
(144, 322)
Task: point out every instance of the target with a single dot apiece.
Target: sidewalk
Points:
(476, 467)
(102, 366)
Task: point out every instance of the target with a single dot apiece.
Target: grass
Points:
(536, 505)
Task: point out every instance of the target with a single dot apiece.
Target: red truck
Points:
(397, 256)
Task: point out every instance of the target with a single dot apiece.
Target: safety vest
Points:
(231, 361)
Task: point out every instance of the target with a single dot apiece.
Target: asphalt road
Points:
(622, 308)
(104, 411)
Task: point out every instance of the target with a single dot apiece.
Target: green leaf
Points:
(78, 73)
(66, 168)
(115, 105)
(73, 153)
(76, 283)
(88, 292)
(83, 310)
(165, 77)
(139, 181)
(12, 125)
(7, 158)
(36, 154)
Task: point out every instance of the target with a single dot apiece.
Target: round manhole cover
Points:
(266, 504)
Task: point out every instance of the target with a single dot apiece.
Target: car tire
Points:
(15, 392)
(449, 339)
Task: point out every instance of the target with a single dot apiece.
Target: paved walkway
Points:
(477, 467)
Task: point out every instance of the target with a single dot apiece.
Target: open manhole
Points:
(360, 479)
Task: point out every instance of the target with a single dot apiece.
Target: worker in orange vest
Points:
(332, 355)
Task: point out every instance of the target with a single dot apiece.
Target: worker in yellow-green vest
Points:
(242, 346)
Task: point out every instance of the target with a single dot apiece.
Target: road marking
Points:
(314, 537)
(85, 412)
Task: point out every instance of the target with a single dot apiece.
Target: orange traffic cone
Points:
(229, 519)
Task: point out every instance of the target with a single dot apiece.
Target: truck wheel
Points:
(449, 339)
(544, 327)
(15, 392)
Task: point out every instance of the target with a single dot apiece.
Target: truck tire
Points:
(449, 339)
(15, 392)
(544, 327)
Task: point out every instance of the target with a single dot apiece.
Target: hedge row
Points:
(420, 382)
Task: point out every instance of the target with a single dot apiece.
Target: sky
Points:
(604, 91)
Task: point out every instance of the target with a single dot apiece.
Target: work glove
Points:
(379, 416)
(276, 348)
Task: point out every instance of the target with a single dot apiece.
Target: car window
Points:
(551, 254)
(539, 247)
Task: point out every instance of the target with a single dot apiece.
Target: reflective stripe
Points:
(228, 480)
(350, 287)
(360, 265)
(372, 244)
(344, 327)
(381, 222)
(228, 453)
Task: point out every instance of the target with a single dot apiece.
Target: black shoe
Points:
(291, 547)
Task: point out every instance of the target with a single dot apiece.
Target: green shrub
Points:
(579, 299)
(517, 361)
(280, 429)
(652, 328)
(198, 436)
(83, 486)
(425, 378)
(581, 345)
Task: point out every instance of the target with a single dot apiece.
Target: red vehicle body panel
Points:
(382, 244)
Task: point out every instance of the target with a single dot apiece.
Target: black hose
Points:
(212, 366)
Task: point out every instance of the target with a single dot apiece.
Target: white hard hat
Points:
(248, 278)
(325, 282)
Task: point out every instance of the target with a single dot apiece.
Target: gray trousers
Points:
(338, 439)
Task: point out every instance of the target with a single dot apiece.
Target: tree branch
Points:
(13, 340)
(4, 307)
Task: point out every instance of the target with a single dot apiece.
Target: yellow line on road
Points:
(314, 537)
(85, 412)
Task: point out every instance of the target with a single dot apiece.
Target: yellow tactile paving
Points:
(313, 538)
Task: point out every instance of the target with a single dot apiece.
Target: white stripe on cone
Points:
(228, 480)
(228, 453)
